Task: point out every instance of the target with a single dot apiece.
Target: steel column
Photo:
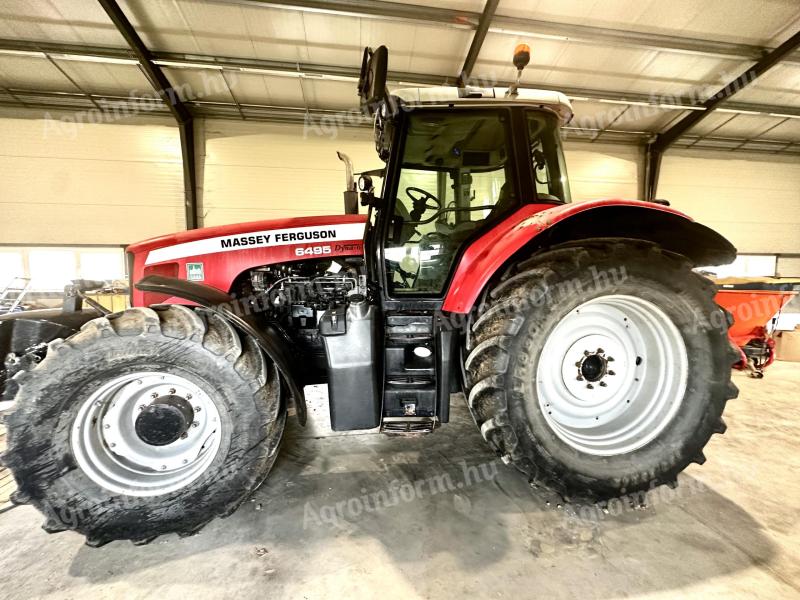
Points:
(169, 96)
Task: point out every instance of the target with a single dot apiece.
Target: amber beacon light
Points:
(522, 56)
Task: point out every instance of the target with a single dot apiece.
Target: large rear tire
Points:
(146, 422)
(600, 369)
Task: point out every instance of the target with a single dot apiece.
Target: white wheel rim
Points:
(107, 448)
(637, 366)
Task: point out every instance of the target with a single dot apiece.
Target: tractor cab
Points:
(459, 160)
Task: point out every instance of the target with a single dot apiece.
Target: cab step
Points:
(408, 425)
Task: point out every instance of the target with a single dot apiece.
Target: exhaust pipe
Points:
(350, 192)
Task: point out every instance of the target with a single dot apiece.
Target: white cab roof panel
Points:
(555, 101)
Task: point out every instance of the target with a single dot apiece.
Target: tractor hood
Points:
(180, 239)
(216, 256)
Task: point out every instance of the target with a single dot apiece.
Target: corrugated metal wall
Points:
(88, 184)
(753, 201)
(265, 171)
(603, 171)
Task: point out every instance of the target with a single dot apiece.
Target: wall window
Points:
(50, 269)
(11, 266)
(746, 265)
(103, 264)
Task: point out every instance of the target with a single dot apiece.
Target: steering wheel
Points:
(423, 201)
(427, 240)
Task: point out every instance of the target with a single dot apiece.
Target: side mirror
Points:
(365, 183)
(367, 188)
(372, 80)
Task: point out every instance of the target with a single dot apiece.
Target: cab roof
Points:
(446, 95)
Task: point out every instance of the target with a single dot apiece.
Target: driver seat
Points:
(505, 202)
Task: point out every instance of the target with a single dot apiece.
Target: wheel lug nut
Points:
(195, 424)
(578, 364)
(198, 408)
(163, 467)
(184, 436)
(106, 426)
(141, 407)
(611, 373)
(586, 353)
(579, 378)
(602, 384)
(610, 358)
(188, 396)
(600, 351)
(172, 391)
(590, 386)
(154, 395)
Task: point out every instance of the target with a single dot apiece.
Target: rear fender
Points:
(269, 338)
(24, 333)
(539, 226)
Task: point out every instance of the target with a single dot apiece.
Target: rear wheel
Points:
(147, 422)
(600, 369)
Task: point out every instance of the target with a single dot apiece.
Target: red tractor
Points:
(593, 358)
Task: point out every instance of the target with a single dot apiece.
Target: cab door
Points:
(455, 174)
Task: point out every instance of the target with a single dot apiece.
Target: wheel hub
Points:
(593, 366)
(164, 421)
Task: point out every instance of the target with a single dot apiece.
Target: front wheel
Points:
(146, 422)
(600, 369)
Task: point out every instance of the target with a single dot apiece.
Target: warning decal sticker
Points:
(194, 272)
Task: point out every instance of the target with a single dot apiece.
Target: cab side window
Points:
(549, 170)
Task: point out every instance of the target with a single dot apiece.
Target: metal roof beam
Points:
(375, 9)
(298, 69)
(121, 106)
(589, 34)
(146, 60)
(379, 9)
(665, 139)
(477, 41)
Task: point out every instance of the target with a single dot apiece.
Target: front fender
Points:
(268, 338)
(537, 226)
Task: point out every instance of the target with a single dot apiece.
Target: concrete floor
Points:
(730, 529)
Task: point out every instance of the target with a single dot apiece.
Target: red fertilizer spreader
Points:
(753, 304)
